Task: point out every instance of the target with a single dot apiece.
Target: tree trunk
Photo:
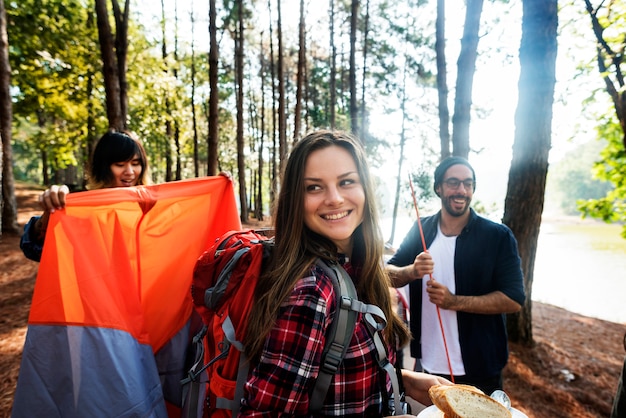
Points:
(212, 140)
(282, 133)
(529, 166)
(1, 166)
(297, 120)
(273, 172)
(333, 67)
(258, 204)
(399, 181)
(92, 135)
(109, 67)
(177, 148)
(8, 205)
(241, 158)
(194, 120)
(465, 78)
(166, 99)
(362, 111)
(354, 115)
(442, 83)
(121, 52)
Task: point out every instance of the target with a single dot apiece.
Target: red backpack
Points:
(224, 280)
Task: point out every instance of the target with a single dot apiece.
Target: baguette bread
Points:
(465, 401)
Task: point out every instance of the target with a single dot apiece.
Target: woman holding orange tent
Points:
(119, 160)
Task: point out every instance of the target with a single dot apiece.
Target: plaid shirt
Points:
(281, 383)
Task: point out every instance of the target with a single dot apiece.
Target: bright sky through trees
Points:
(495, 81)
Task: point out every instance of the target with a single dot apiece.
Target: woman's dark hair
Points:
(114, 147)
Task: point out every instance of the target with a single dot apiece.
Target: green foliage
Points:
(59, 98)
(51, 44)
(571, 180)
(422, 184)
(611, 168)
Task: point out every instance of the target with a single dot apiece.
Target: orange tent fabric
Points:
(120, 259)
(143, 239)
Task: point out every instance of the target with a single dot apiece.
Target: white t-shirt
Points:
(434, 357)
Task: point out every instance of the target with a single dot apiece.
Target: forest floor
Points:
(571, 371)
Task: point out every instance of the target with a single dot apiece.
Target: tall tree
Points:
(354, 110)
(275, 164)
(8, 204)
(194, 118)
(212, 139)
(241, 162)
(333, 66)
(282, 129)
(258, 204)
(362, 110)
(610, 58)
(166, 98)
(533, 130)
(297, 121)
(114, 58)
(442, 83)
(399, 179)
(177, 146)
(466, 67)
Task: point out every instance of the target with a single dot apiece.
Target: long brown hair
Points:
(298, 246)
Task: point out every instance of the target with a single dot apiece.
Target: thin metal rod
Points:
(419, 223)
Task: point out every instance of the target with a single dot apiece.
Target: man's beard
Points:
(450, 207)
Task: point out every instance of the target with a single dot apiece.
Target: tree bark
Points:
(241, 158)
(212, 140)
(297, 122)
(442, 83)
(258, 204)
(333, 67)
(110, 69)
(529, 166)
(466, 65)
(354, 111)
(177, 148)
(121, 53)
(8, 222)
(194, 119)
(274, 162)
(282, 133)
(362, 110)
(166, 99)
(399, 181)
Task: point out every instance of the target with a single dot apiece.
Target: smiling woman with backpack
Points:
(326, 210)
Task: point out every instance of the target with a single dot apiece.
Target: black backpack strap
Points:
(375, 327)
(341, 331)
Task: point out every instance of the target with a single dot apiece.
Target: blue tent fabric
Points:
(118, 369)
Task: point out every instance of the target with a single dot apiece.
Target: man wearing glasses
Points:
(461, 285)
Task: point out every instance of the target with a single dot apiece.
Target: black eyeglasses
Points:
(454, 183)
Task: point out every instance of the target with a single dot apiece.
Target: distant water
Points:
(580, 266)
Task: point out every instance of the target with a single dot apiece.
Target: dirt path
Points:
(571, 372)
